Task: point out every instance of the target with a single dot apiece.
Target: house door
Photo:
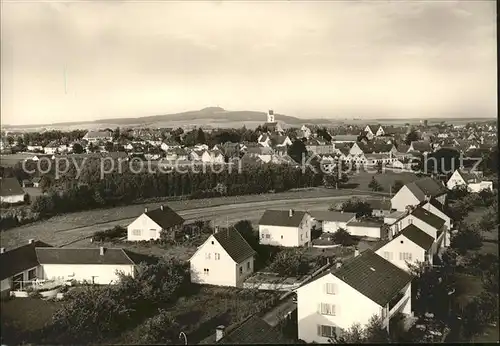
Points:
(17, 281)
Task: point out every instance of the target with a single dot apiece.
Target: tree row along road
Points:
(220, 215)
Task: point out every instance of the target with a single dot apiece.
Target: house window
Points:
(248, 265)
(32, 274)
(217, 256)
(206, 271)
(268, 236)
(241, 270)
(301, 237)
(137, 232)
(281, 237)
(388, 255)
(405, 256)
(330, 288)
(327, 309)
(208, 255)
(326, 331)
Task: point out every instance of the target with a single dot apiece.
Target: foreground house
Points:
(410, 246)
(331, 221)
(11, 191)
(418, 191)
(291, 228)
(152, 222)
(224, 259)
(23, 266)
(470, 180)
(365, 286)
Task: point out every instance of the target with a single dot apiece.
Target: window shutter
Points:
(319, 329)
(319, 308)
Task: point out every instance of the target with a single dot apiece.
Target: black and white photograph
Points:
(248, 172)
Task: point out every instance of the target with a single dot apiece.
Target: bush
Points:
(290, 262)
(467, 238)
(342, 237)
(109, 234)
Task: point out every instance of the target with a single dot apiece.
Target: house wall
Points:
(455, 180)
(441, 199)
(12, 199)
(363, 231)
(221, 272)
(478, 187)
(355, 150)
(333, 226)
(287, 236)
(149, 229)
(403, 198)
(103, 274)
(247, 268)
(391, 252)
(6, 284)
(350, 307)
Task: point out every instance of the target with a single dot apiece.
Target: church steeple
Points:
(270, 116)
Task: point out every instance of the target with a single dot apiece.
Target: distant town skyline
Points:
(83, 61)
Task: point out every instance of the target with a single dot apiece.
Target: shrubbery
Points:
(110, 234)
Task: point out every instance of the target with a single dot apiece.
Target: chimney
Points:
(290, 213)
(219, 333)
(2, 250)
(101, 251)
(146, 209)
(161, 207)
(31, 241)
(356, 252)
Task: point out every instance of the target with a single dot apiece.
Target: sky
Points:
(87, 60)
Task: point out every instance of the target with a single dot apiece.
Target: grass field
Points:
(9, 160)
(386, 179)
(62, 229)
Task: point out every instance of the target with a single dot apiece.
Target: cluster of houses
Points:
(374, 282)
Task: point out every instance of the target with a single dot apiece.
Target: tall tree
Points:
(297, 151)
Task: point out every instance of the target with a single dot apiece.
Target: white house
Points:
(98, 136)
(224, 259)
(23, 266)
(365, 286)
(151, 223)
(285, 228)
(437, 209)
(416, 192)
(426, 221)
(411, 245)
(51, 148)
(331, 221)
(11, 191)
(370, 229)
(471, 180)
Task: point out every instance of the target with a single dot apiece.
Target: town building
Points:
(290, 228)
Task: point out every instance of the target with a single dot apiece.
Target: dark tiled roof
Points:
(421, 146)
(381, 244)
(55, 255)
(352, 138)
(428, 217)
(417, 236)
(375, 147)
(468, 176)
(373, 276)
(332, 216)
(365, 224)
(165, 217)
(254, 330)
(282, 218)
(426, 187)
(14, 261)
(234, 244)
(10, 187)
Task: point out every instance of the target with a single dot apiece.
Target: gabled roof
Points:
(468, 176)
(332, 216)
(282, 218)
(97, 134)
(10, 187)
(373, 276)
(165, 217)
(421, 146)
(426, 187)
(235, 245)
(54, 255)
(352, 138)
(17, 260)
(417, 236)
(428, 217)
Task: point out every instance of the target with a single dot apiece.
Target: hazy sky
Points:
(307, 59)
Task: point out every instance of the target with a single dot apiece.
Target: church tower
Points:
(270, 116)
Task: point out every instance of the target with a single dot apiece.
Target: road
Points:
(221, 215)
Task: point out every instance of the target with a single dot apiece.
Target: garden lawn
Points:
(386, 179)
(198, 315)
